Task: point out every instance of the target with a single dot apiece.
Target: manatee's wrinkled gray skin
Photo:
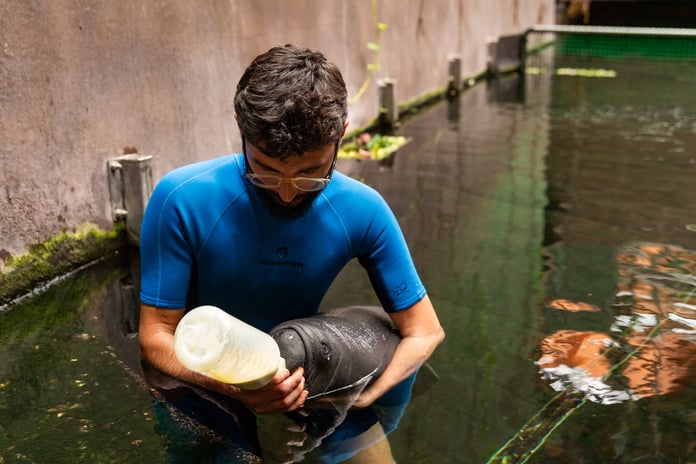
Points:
(342, 351)
(338, 348)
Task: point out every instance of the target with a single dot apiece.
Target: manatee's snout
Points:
(292, 348)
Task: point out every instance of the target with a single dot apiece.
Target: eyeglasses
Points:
(303, 184)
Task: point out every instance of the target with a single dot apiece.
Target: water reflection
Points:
(575, 360)
(509, 89)
(200, 425)
(67, 390)
(649, 349)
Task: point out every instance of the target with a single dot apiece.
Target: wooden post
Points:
(388, 108)
(454, 73)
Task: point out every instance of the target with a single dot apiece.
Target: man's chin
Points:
(293, 210)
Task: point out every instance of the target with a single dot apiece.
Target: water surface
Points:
(553, 224)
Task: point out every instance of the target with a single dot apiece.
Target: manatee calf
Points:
(339, 348)
(342, 351)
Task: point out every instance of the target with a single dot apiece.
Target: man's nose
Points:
(287, 192)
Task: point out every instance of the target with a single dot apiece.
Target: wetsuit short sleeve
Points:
(164, 250)
(382, 250)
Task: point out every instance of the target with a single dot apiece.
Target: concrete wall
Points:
(83, 81)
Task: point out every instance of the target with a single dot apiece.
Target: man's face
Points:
(288, 186)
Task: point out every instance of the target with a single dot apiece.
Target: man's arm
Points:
(421, 333)
(284, 393)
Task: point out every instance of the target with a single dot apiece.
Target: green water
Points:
(513, 198)
(65, 397)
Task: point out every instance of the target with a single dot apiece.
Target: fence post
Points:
(388, 109)
(130, 185)
(454, 74)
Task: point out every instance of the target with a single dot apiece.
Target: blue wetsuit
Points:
(207, 238)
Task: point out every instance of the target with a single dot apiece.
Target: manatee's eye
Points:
(325, 351)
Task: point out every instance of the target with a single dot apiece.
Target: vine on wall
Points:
(374, 47)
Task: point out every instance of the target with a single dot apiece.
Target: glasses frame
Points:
(256, 179)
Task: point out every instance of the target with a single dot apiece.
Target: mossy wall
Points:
(56, 256)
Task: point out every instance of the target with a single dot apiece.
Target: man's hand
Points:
(284, 393)
(367, 397)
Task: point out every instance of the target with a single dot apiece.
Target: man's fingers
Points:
(295, 398)
(285, 396)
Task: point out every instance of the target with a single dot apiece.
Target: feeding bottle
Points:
(216, 344)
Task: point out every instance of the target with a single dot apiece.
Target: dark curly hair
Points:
(291, 100)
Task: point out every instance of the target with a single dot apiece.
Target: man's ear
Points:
(345, 126)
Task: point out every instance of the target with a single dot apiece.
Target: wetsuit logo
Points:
(280, 263)
(399, 289)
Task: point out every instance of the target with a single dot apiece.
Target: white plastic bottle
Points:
(216, 344)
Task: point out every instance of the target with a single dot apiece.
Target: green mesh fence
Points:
(628, 46)
(615, 42)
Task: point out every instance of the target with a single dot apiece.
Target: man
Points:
(262, 234)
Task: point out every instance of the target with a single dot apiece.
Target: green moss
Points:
(415, 107)
(55, 257)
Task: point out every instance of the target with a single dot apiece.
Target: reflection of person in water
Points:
(262, 234)
(647, 356)
(654, 326)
